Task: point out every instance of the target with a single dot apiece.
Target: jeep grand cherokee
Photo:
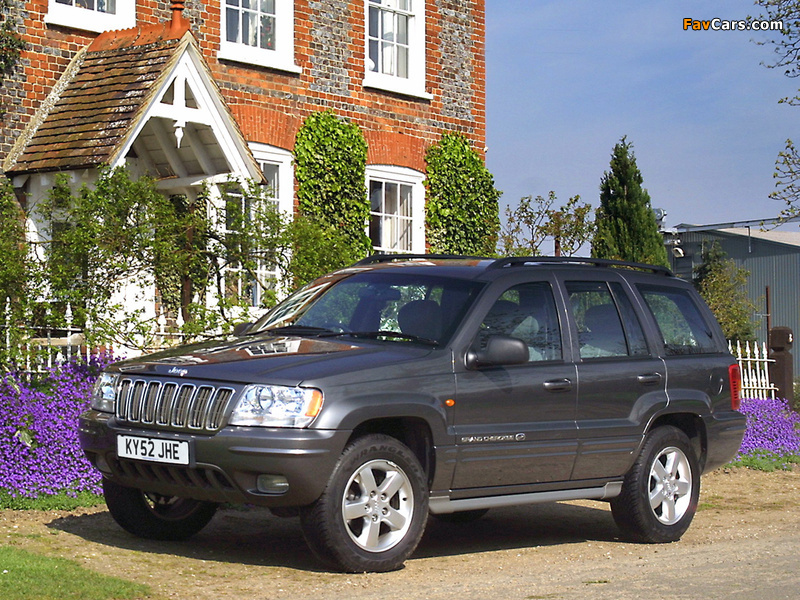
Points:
(409, 385)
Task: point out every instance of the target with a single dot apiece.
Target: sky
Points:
(566, 80)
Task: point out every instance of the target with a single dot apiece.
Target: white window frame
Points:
(282, 58)
(273, 155)
(403, 176)
(87, 19)
(414, 84)
(284, 199)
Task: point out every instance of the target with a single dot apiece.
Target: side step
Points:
(443, 505)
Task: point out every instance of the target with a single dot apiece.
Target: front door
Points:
(515, 425)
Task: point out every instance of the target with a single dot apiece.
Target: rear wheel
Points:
(372, 514)
(155, 516)
(660, 492)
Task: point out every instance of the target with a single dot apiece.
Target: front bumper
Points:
(223, 467)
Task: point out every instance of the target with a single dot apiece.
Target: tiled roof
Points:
(102, 97)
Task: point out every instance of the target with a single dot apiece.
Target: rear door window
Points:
(602, 332)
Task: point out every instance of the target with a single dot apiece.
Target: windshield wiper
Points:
(297, 330)
(382, 333)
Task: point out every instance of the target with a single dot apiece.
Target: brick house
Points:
(196, 93)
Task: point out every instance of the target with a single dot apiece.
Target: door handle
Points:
(558, 385)
(649, 378)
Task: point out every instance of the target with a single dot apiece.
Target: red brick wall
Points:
(270, 105)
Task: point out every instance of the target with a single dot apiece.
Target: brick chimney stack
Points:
(177, 15)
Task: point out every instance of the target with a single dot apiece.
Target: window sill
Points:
(261, 58)
(89, 20)
(397, 85)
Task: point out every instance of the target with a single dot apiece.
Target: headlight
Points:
(105, 392)
(277, 406)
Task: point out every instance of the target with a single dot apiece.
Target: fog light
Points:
(272, 484)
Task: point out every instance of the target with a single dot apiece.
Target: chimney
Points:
(177, 15)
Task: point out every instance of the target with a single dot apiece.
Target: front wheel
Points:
(155, 516)
(660, 492)
(372, 514)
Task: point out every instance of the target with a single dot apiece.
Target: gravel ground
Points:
(744, 541)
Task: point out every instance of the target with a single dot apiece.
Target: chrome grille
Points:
(172, 405)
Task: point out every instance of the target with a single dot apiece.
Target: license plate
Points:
(174, 452)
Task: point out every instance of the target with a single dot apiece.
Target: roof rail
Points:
(512, 261)
(385, 258)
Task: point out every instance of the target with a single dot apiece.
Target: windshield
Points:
(386, 305)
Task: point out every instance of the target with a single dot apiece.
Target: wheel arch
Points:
(414, 432)
(694, 428)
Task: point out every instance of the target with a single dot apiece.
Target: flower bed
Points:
(39, 450)
(772, 437)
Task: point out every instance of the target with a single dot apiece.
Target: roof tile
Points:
(101, 102)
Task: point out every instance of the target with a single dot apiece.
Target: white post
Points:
(68, 319)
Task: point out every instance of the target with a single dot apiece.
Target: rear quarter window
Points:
(683, 328)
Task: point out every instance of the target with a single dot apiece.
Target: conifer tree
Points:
(626, 228)
(722, 285)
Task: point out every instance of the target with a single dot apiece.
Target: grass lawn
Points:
(26, 576)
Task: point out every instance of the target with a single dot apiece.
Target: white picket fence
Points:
(38, 349)
(754, 363)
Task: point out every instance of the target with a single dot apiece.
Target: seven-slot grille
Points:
(172, 405)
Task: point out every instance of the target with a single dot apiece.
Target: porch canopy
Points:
(144, 98)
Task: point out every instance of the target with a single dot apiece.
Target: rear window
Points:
(679, 319)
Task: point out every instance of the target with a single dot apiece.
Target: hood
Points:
(285, 360)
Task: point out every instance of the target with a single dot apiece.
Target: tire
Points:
(372, 513)
(660, 492)
(155, 516)
(461, 518)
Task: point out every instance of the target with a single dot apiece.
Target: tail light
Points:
(735, 379)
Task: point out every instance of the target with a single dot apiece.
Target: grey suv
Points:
(409, 385)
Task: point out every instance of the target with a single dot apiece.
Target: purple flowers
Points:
(772, 428)
(39, 450)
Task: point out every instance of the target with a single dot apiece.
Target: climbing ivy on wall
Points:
(10, 43)
(330, 159)
(461, 212)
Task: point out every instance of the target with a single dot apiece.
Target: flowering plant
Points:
(39, 450)
(772, 434)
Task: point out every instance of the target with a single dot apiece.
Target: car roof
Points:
(473, 267)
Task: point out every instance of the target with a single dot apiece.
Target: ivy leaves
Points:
(462, 214)
(10, 43)
(330, 159)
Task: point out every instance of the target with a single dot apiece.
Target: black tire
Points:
(660, 492)
(155, 516)
(461, 518)
(372, 513)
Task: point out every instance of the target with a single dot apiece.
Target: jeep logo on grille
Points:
(177, 371)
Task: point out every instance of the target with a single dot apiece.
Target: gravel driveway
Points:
(744, 543)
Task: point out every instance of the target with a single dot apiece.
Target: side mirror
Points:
(500, 350)
(241, 329)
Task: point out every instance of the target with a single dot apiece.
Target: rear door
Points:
(621, 381)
